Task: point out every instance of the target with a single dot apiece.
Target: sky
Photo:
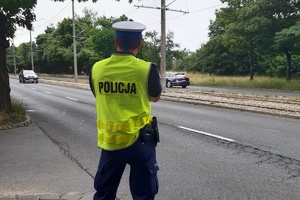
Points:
(190, 30)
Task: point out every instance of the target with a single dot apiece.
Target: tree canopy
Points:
(253, 33)
(95, 41)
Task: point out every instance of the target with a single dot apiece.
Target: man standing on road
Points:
(124, 87)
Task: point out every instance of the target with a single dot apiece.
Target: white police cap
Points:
(129, 26)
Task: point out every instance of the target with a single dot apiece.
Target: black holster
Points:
(155, 131)
(150, 132)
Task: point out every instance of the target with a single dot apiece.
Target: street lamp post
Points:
(74, 44)
(31, 52)
(14, 57)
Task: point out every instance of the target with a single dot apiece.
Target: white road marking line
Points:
(30, 110)
(72, 98)
(208, 134)
(33, 88)
(47, 92)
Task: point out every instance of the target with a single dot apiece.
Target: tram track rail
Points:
(275, 105)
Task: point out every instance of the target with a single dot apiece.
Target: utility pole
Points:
(74, 44)
(163, 9)
(14, 56)
(163, 46)
(31, 48)
(31, 52)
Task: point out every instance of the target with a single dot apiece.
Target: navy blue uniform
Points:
(141, 157)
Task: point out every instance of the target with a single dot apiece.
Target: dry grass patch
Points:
(243, 81)
(17, 115)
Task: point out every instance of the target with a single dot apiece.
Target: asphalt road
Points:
(205, 152)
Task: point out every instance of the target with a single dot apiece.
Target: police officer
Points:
(124, 87)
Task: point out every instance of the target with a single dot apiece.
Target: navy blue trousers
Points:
(143, 182)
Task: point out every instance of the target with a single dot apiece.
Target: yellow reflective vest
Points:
(123, 107)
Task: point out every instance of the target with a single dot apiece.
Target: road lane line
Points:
(72, 98)
(208, 134)
(47, 92)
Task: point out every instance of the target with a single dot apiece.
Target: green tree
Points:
(152, 45)
(286, 41)
(23, 51)
(171, 53)
(94, 36)
(180, 58)
(283, 15)
(43, 41)
(103, 42)
(55, 46)
(246, 29)
(214, 58)
(104, 35)
(64, 32)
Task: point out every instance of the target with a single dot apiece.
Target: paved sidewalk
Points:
(32, 167)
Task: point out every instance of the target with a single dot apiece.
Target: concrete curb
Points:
(27, 122)
(72, 196)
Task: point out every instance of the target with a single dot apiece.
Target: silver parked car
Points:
(177, 79)
(28, 76)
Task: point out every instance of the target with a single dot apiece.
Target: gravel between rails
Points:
(275, 105)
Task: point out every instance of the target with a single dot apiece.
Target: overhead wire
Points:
(133, 12)
(41, 25)
(55, 15)
(170, 3)
(137, 10)
(206, 8)
(193, 12)
(171, 18)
